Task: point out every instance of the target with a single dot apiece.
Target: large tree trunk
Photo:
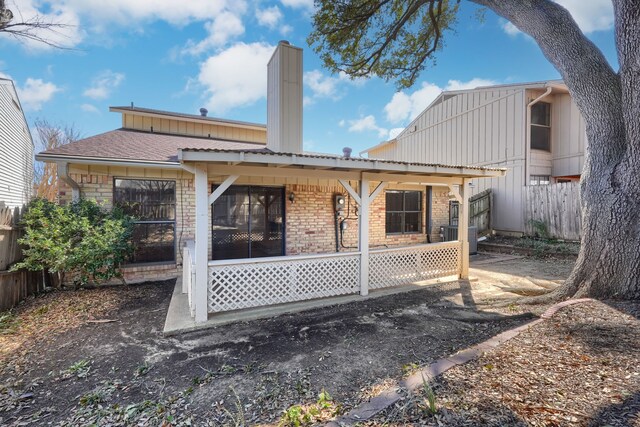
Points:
(608, 265)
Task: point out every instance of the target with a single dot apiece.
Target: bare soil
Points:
(108, 363)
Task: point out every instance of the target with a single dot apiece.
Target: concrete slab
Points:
(179, 318)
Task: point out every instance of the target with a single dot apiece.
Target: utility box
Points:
(449, 233)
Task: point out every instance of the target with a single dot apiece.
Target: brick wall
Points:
(310, 226)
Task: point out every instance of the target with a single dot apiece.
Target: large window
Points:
(153, 204)
(404, 212)
(541, 126)
(248, 222)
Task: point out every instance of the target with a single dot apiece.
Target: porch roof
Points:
(286, 164)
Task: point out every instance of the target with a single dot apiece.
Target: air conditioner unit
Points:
(449, 233)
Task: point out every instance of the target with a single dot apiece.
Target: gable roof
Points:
(134, 145)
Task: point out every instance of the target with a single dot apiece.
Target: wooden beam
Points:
(377, 191)
(410, 178)
(283, 172)
(363, 237)
(463, 228)
(455, 190)
(351, 191)
(222, 188)
(203, 225)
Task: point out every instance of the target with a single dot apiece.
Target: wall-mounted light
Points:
(292, 197)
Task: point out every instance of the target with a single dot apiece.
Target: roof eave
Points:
(364, 165)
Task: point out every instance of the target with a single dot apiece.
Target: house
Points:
(250, 219)
(16, 149)
(533, 129)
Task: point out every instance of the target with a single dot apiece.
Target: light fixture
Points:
(292, 197)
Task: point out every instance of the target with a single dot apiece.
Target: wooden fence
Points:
(555, 207)
(14, 285)
(479, 212)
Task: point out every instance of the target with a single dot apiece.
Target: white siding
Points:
(16, 149)
(568, 137)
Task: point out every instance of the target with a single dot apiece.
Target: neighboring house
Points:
(252, 219)
(533, 129)
(16, 149)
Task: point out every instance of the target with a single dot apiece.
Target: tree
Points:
(36, 28)
(396, 39)
(45, 176)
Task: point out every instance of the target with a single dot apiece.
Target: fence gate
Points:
(479, 212)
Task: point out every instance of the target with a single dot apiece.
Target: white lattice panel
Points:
(402, 266)
(239, 285)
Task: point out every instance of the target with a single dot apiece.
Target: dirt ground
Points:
(98, 356)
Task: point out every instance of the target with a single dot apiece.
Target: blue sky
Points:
(180, 56)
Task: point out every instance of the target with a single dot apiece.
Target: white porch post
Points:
(463, 228)
(202, 247)
(363, 237)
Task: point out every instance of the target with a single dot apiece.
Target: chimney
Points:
(203, 112)
(284, 99)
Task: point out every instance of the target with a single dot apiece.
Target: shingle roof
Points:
(137, 145)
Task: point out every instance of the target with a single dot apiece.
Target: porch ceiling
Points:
(325, 166)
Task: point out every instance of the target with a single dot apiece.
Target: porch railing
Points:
(246, 283)
(410, 264)
(237, 284)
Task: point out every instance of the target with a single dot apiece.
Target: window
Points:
(248, 222)
(541, 126)
(153, 204)
(539, 180)
(404, 212)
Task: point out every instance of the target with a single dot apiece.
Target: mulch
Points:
(579, 368)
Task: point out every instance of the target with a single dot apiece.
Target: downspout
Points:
(528, 133)
(63, 174)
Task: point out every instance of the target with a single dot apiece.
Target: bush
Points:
(79, 242)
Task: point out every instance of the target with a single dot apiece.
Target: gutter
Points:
(63, 174)
(55, 158)
(528, 133)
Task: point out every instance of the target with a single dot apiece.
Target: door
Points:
(248, 222)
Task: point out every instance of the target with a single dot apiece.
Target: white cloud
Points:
(591, 16)
(269, 17)
(328, 87)
(222, 29)
(36, 92)
(236, 76)
(103, 84)
(366, 124)
(298, 4)
(89, 108)
(394, 132)
(405, 107)
(83, 17)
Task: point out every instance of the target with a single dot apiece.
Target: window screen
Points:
(403, 212)
(153, 204)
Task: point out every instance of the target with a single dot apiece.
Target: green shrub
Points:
(79, 242)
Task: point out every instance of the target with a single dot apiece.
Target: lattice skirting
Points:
(268, 282)
(402, 266)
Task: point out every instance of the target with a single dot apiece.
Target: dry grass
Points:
(580, 368)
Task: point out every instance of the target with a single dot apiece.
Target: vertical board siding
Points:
(557, 206)
(479, 128)
(568, 137)
(16, 150)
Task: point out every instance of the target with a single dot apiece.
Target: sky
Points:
(184, 55)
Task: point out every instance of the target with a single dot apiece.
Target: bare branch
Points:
(36, 28)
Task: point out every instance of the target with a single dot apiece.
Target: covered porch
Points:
(224, 285)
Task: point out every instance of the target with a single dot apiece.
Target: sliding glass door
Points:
(248, 222)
